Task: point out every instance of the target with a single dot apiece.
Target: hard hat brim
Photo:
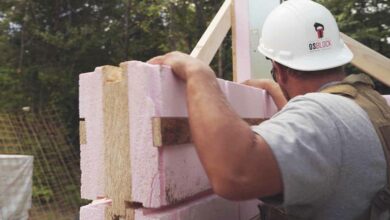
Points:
(315, 63)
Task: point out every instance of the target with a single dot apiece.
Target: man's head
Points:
(302, 37)
(297, 82)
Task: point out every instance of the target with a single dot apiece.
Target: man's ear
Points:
(281, 73)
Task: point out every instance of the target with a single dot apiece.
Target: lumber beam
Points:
(234, 42)
(368, 60)
(176, 130)
(211, 40)
(83, 131)
(117, 185)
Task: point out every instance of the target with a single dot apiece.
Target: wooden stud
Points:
(368, 60)
(211, 40)
(116, 142)
(83, 131)
(234, 42)
(175, 131)
(170, 131)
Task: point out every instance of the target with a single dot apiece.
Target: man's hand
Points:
(265, 84)
(239, 164)
(271, 87)
(183, 65)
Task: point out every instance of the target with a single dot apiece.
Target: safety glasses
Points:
(273, 69)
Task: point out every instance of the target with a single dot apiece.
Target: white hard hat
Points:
(303, 35)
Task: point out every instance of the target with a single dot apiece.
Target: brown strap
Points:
(268, 212)
(381, 200)
(380, 203)
(342, 89)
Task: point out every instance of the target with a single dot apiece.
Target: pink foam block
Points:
(91, 109)
(250, 102)
(144, 85)
(167, 175)
(208, 208)
(164, 176)
(95, 210)
(246, 101)
(269, 105)
(387, 97)
(183, 173)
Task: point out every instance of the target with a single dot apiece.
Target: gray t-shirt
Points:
(331, 160)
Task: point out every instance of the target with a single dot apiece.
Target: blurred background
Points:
(46, 44)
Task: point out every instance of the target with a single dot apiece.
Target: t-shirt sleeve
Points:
(305, 142)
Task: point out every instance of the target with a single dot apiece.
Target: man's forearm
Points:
(222, 139)
(239, 164)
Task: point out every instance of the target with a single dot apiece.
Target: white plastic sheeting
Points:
(15, 186)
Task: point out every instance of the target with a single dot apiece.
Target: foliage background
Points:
(46, 44)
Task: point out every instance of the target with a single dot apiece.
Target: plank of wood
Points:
(176, 130)
(368, 60)
(234, 41)
(116, 143)
(211, 40)
(83, 131)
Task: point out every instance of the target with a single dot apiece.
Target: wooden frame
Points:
(211, 40)
(368, 60)
(117, 182)
(175, 130)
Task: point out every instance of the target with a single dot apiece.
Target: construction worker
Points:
(322, 156)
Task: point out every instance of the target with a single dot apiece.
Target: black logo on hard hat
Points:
(320, 30)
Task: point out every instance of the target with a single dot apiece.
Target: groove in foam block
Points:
(209, 208)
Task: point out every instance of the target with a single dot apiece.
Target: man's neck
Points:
(312, 84)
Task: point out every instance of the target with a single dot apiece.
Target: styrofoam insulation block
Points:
(172, 173)
(92, 153)
(94, 210)
(159, 177)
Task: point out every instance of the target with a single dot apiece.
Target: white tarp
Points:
(258, 12)
(249, 18)
(15, 186)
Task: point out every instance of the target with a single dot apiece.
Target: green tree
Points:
(46, 44)
(366, 21)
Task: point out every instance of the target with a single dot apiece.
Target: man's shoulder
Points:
(323, 109)
(332, 104)
(322, 97)
(324, 144)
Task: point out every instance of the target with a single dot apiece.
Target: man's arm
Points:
(271, 87)
(239, 163)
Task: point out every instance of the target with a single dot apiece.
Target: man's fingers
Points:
(247, 82)
(252, 83)
(156, 60)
